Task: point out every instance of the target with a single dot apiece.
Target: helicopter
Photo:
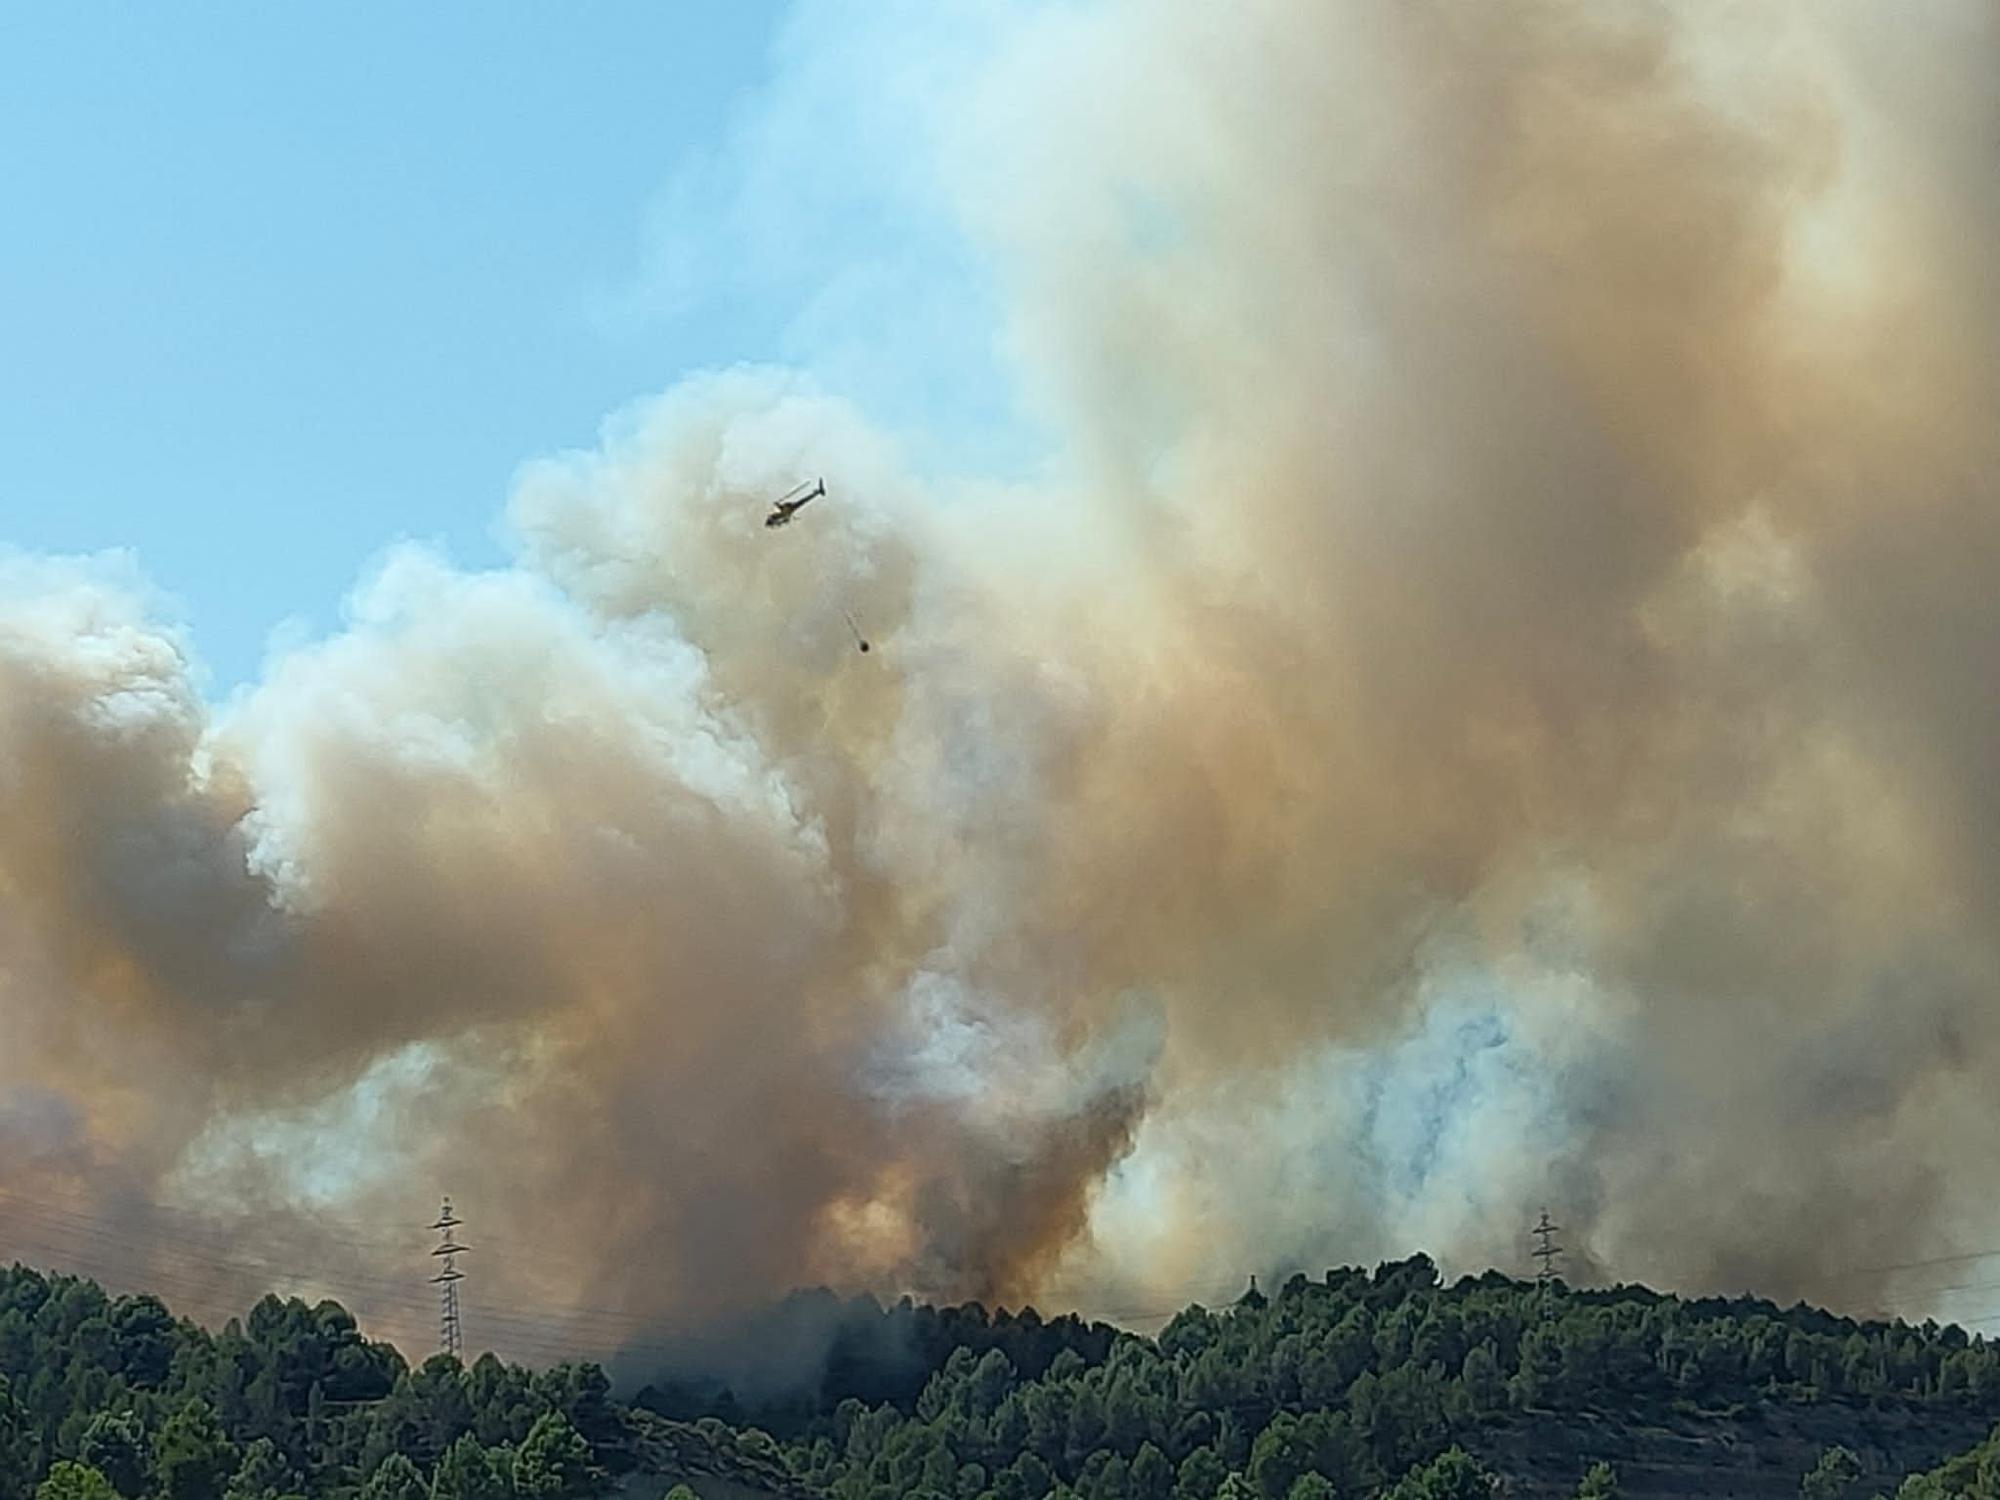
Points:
(785, 507)
(790, 504)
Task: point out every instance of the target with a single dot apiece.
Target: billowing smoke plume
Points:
(1490, 701)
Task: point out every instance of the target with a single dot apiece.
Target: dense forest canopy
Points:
(1350, 1385)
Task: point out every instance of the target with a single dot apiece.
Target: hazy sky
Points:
(279, 286)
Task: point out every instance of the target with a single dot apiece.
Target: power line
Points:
(181, 1254)
(1913, 1265)
(142, 1213)
(74, 1226)
(348, 1233)
(89, 1247)
(78, 1229)
(1961, 1286)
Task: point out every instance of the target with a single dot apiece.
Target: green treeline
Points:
(1356, 1385)
(1972, 1475)
(1348, 1385)
(106, 1396)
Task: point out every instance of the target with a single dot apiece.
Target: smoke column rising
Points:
(1488, 701)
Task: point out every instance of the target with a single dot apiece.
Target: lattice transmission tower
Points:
(1546, 1250)
(450, 1330)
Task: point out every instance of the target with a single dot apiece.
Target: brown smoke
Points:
(1492, 702)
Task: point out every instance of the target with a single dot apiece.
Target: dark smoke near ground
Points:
(1490, 702)
(788, 1363)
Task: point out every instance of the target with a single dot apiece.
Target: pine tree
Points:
(193, 1458)
(114, 1444)
(553, 1462)
(70, 1481)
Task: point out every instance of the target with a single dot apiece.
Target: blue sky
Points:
(281, 285)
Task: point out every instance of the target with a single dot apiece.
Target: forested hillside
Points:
(1356, 1380)
(1353, 1385)
(102, 1395)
